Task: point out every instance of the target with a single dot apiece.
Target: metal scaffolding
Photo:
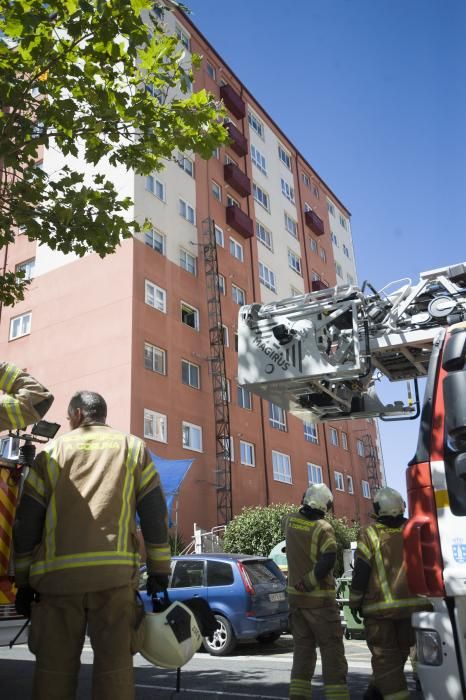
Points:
(372, 463)
(219, 378)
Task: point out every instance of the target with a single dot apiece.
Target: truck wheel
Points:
(223, 640)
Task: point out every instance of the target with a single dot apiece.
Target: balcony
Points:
(239, 142)
(237, 179)
(314, 222)
(233, 101)
(240, 221)
(317, 285)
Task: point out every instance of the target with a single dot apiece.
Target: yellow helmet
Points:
(318, 496)
(171, 637)
(387, 501)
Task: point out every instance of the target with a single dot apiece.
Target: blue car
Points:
(246, 593)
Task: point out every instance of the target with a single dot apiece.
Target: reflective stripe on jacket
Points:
(306, 540)
(21, 398)
(387, 594)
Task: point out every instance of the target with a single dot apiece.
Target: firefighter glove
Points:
(24, 598)
(157, 583)
(357, 615)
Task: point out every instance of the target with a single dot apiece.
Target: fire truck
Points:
(321, 355)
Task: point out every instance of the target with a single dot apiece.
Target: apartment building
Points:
(135, 326)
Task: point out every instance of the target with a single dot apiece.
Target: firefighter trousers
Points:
(58, 626)
(311, 628)
(389, 642)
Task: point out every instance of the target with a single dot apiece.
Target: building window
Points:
(334, 239)
(366, 492)
(211, 72)
(236, 249)
(281, 467)
(338, 270)
(295, 292)
(20, 325)
(256, 124)
(346, 251)
(221, 284)
(342, 221)
(284, 156)
(314, 474)
(287, 190)
(219, 237)
(27, 267)
(333, 437)
(183, 37)
(307, 207)
(155, 426)
(313, 245)
(264, 235)
(216, 153)
(189, 316)
(323, 255)
(192, 436)
(294, 261)
(154, 358)
(277, 417)
(247, 456)
(316, 192)
(216, 191)
(267, 277)
(226, 391)
(229, 448)
(315, 277)
(349, 483)
(258, 159)
(155, 186)
(344, 440)
(190, 374)
(188, 262)
(225, 336)
(339, 481)
(187, 211)
(291, 225)
(185, 164)
(311, 433)
(156, 297)
(349, 278)
(155, 240)
(306, 179)
(261, 197)
(229, 159)
(244, 398)
(331, 208)
(360, 448)
(231, 201)
(238, 295)
(236, 341)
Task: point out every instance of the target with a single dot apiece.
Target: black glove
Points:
(357, 614)
(24, 597)
(156, 583)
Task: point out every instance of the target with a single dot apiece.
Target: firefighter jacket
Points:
(75, 529)
(24, 400)
(306, 542)
(380, 585)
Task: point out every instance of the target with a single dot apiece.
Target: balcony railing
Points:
(314, 222)
(237, 179)
(240, 221)
(233, 101)
(239, 142)
(317, 285)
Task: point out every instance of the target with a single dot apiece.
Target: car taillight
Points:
(246, 580)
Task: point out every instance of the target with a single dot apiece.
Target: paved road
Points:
(254, 671)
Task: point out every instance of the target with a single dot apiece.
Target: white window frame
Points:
(291, 225)
(333, 434)
(315, 191)
(331, 208)
(287, 190)
(150, 239)
(261, 196)
(247, 453)
(338, 269)
(187, 211)
(188, 262)
(23, 323)
(236, 249)
(154, 351)
(312, 471)
(196, 429)
(27, 266)
(306, 179)
(186, 164)
(323, 255)
(342, 221)
(244, 398)
(183, 36)
(294, 262)
(281, 465)
(186, 306)
(219, 236)
(339, 481)
(232, 202)
(344, 440)
(238, 295)
(256, 124)
(360, 448)
(264, 235)
(350, 484)
(211, 71)
(277, 417)
(216, 190)
(258, 159)
(267, 277)
(222, 284)
(156, 187)
(313, 245)
(226, 336)
(161, 426)
(311, 432)
(366, 489)
(334, 239)
(159, 294)
(284, 156)
(191, 365)
(229, 448)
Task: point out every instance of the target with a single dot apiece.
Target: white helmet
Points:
(318, 496)
(172, 637)
(387, 501)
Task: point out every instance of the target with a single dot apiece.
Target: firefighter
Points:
(379, 592)
(24, 400)
(76, 546)
(315, 618)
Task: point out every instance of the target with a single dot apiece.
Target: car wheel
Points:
(223, 640)
(268, 638)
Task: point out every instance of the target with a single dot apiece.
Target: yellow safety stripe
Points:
(10, 373)
(337, 692)
(314, 541)
(147, 474)
(300, 524)
(394, 604)
(319, 593)
(365, 550)
(85, 559)
(53, 471)
(13, 409)
(382, 576)
(36, 483)
(23, 561)
(312, 578)
(330, 544)
(401, 695)
(301, 688)
(134, 448)
(158, 553)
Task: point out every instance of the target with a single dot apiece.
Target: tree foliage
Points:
(100, 81)
(257, 530)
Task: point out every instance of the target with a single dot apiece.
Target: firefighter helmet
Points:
(319, 497)
(171, 637)
(387, 501)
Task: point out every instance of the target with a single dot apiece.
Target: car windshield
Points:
(261, 571)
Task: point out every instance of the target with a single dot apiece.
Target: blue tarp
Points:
(172, 473)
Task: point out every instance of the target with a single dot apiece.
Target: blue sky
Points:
(373, 93)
